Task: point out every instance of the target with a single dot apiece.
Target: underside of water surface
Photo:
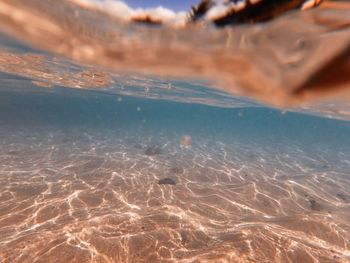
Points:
(125, 140)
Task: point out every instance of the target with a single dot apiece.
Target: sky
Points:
(176, 5)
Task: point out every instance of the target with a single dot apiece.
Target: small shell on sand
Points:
(186, 141)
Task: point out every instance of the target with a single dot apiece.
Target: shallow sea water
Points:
(102, 165)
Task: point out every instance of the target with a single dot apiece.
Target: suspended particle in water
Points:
(186, 141)
(284, 112)
(169, 86)
(120, 99)
(138, 108)
(240, 114)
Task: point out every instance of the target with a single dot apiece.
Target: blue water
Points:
(63, 106)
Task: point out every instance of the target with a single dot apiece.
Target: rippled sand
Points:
(98, 196)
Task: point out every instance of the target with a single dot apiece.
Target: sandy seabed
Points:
(104, 196)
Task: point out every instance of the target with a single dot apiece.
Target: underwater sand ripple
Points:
(101, 201)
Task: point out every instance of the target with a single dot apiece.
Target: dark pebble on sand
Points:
(153, 150)
(138, 146)
(343, 197)
(314, 205)
(252, 156)
(177, 170)
(167, 181)
(184, 238)
(64, 140)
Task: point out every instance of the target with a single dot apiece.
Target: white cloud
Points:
(223, 7)
(122, 11)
